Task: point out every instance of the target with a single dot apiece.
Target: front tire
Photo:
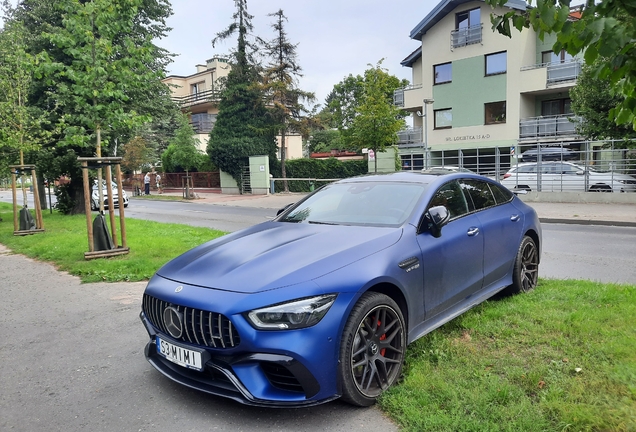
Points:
(526, 270)
(372, 349)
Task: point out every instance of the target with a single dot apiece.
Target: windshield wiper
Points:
(322, 223)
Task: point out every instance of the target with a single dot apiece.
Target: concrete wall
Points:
(580, 197)
(386, 161)
(228, 184)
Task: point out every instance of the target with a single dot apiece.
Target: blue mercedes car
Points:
(321, 302)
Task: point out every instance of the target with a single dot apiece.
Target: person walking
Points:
(158, 182)
(147, 184)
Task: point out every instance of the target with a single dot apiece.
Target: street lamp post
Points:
(425, 104)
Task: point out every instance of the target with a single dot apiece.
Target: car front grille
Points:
(200, 327)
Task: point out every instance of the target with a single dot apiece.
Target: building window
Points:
(496, 63)
(495, 112)
(467, 28)
(548, 57)
(443, 73)
(197, 88)
(466, 19)
(443, 118)
(556, 107)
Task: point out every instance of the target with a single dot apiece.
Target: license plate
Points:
(182, 356)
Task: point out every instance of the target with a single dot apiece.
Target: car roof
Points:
(411, 177)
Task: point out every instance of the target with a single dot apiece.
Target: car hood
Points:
(276, 254)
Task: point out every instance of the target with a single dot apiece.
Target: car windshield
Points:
(112, 183)
(363, 203)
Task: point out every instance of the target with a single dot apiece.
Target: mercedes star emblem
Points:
(174, 322)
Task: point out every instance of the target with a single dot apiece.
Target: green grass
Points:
(561, 358)
(65, 240)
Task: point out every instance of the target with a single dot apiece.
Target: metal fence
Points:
(586, 166)
(207, 180)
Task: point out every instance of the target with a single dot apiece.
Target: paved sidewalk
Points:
(549, 212)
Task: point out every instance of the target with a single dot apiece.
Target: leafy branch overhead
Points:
(604, 29)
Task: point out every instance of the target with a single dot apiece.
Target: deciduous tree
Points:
(377, 121)
(592, 100)
(363, 109)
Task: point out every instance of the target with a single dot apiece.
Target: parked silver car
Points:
(565, 176)
(95, 195)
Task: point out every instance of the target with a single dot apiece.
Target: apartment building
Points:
(198, 95)
(478, 98)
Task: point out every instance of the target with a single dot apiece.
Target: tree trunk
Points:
(375, 160)
(77, 193)
(283, 155)
(42, 191)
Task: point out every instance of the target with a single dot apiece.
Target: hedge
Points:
(331, 168)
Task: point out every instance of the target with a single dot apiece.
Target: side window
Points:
(450, 196)
(479, 193)
(528, 168)
(502, 194)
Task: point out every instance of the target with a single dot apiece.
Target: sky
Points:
(335, 37)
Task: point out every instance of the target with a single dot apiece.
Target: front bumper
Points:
(260, 379)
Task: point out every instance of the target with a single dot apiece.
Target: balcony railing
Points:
(563, 72)
(203, 123)
(197, 98)
(398, 95)
(466, 36)
(410, 136)
(547, 126)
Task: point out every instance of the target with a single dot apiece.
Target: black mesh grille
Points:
(280, 377)
(200, 327)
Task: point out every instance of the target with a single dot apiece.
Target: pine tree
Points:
(242, 128)
(280, 85)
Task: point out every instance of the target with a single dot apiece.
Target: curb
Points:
(587, 222)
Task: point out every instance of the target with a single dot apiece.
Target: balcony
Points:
(197, 98)
(466, 36)
(202, 123)
(563, 72)
(409, 97)
(410, 136)
(547, 127)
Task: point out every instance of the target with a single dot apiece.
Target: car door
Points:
(572, 179)
(452, 264)
(501, 225)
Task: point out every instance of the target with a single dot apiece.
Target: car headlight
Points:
(296, 314)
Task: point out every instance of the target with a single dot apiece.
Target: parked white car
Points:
(565, 176)
(95, 195)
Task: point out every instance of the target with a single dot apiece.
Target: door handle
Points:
(473, 231)
(515, 218)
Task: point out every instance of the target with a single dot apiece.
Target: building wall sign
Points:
(468, 137)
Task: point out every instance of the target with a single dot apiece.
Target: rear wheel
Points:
(523, 188)
(372, 349)
(600, 188)
(526, 270)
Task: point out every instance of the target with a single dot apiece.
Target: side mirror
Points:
(437, 217)
(520, 192)
(283, 209)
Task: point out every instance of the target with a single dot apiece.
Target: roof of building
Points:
(445, 7)
(442, 9)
